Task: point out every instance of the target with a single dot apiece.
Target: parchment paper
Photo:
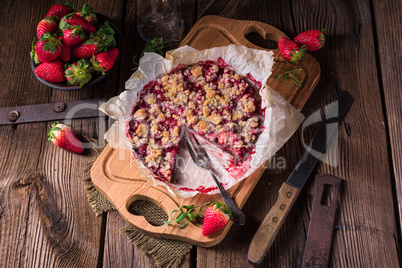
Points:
(281, 120)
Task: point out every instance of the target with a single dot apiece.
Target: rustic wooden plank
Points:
(15, 216)
(389, 37)
(365, 206)
(120, 252)
(363, 155)
(19, 84)
(46, 221)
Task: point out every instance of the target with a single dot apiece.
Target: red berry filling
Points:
(216, 102)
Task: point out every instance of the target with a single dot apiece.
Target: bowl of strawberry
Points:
(74, 49)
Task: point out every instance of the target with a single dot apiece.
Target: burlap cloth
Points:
(166, 252)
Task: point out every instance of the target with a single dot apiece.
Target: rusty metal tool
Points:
(319, 236)
(50, 111)
(290, 190)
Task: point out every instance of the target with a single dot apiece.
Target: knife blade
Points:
(290, 190)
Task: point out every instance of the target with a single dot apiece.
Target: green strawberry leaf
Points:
(107, 31)
(69, 4)
(227, 211)
(64, 25)
(33, 52)
(90, 41)
(49, 46)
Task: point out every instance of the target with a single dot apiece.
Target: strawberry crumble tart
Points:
(214, 101)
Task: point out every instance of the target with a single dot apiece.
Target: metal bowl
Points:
(96, 78)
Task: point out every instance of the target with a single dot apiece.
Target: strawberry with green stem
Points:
(79, 73)
(88, 13)
(313, 39)
(216, 217)
(62, 136)
(46, 25)
(72, 19)
(73, 34)
(290, 50)
(101, 41)
(48, 48)
(58, 11)
(103, 62)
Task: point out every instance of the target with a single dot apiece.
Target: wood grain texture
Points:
(44, 204)
(120, 252)
(363, 163)
(366, 206)
(388, 43)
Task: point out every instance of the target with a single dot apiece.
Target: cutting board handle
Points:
(268, 32)
(150, 194)
(236, 30)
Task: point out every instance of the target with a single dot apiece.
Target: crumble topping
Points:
(216, 102)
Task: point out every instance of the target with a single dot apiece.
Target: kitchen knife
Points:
(290, 190)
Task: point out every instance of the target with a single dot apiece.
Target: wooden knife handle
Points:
(269, 228)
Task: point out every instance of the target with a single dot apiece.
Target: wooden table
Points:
(47, 221)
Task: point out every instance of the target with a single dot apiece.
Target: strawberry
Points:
(216, 217)
(73, 19)
(312, 39)
(97, 43)
(73, 35)
(51, 71)
(85, 49)
(65, 54)
(48, 48)
(62, 136)
(79, 73)
(103, 62)
(46, 25)
(88, 13)
(60, 10)
(290, 50)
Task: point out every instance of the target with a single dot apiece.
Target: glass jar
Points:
(159, 18)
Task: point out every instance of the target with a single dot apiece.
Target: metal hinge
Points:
(51, 111)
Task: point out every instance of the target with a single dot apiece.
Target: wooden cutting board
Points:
(115, 174)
